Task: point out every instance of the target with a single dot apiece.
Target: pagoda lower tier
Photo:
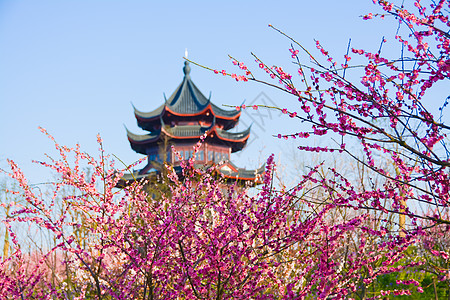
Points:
(225, 169)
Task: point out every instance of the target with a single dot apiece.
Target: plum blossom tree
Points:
(200, 240)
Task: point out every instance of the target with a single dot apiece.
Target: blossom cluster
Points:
(201, 238)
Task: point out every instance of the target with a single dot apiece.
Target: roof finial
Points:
(187, 68)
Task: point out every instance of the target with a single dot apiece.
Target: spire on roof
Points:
(187, 68)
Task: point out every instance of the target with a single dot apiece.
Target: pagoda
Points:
(175, 127)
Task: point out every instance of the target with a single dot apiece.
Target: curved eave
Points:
(149, 116)
(155, 115)
(244, 175)
(139, 142)
(225, 114)
(233, 136)
(141, 138)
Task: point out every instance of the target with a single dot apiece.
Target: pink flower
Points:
(368, 16)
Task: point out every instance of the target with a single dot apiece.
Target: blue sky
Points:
(73, 67)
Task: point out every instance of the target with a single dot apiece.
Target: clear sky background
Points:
(73, 67)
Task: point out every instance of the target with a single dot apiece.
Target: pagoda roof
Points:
(216, 110)
(236, 140)
(187, 100)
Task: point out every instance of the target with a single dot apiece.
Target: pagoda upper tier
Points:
(187, 105)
